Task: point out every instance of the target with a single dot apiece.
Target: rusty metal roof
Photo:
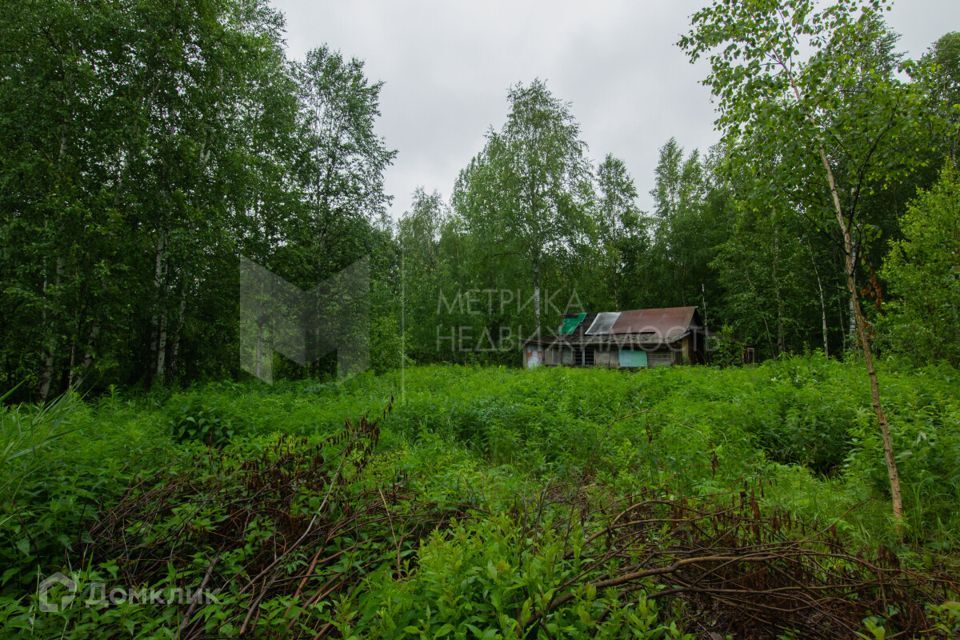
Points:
(622, 328)
(667, 323)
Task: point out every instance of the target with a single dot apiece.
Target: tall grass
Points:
(797, 432)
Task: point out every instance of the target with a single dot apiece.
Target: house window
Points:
(660, 359)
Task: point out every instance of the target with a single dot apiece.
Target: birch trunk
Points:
(850, 265)
(87, 355)
(860, 323)
(843, 332)
(536, 301)
(781, 339)
(46, 374)
(50, 343)
(851, 250)
(823, 318)
(49, 356)
(160, 319)
(72, 362)
(75, 340)
(258, 353)
(178, 333)
(161, 349)
(823, 305)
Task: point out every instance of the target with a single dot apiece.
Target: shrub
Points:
(196, 423)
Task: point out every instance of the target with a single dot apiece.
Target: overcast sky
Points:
(447, 64)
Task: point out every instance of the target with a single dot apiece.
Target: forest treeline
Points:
(148, 145)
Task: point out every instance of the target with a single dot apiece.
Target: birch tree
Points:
(528, 193)
(817, 82)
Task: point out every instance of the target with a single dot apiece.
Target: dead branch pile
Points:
(247, 521)
(737, 571)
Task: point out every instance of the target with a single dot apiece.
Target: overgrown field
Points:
(490, 503)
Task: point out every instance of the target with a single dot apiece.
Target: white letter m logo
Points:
(276, 316)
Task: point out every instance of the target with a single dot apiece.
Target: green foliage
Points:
(481, 445)
(148, 146)
(725, 349)
(944, 60)
(688, 227)
(73, 459)
(196, 423)
(525, 204)
(923, 272)
(824, 139)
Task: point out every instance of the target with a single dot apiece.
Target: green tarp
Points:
(571, 323)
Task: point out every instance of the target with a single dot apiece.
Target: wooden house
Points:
(635, 339)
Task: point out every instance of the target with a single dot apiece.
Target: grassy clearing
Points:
(472, 509)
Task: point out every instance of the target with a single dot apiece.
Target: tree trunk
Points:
(88, 355)
(78, 322)
(46, 377)
(823, 304)
(763, 316)
(177, 333)
(160, 319)
(49, 357)
(161, 349)
(73, 360)
(823, 319)
(850, 249)
(258, 353)
(842, 324)
(536, 300)
(50, 347)
(850, 264)
(703, 301)
(864, 336)
(781, 339)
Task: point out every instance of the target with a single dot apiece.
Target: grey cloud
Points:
(446, 67)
